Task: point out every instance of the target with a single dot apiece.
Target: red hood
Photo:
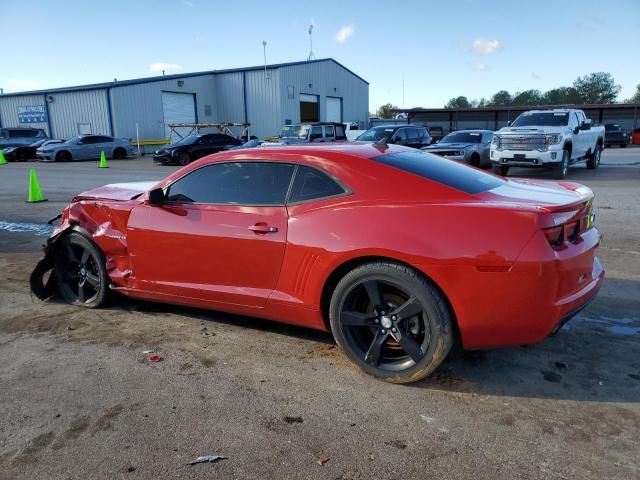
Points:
(117, 191)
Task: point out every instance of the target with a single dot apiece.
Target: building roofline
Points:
(605, 106)
(177, 76)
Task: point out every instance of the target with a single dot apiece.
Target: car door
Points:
(104, 143)
(220, 236)
(85, 148)
(579, 143)
(329, 133)
(202, 147)
(316, 134)
(400, 137)
(413, 140)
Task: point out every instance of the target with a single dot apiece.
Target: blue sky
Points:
(439, 49)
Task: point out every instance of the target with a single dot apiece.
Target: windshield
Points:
(38, 143)
(462, 137)
(375, 134)
(542, 119)
(186, 140)
(612, 128)
(73, 140)
(295, 131)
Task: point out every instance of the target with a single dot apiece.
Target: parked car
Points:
(310, 132)
(84, 147)
(468, 146)
(194, 146)
(437, 134)
(635, 136)
(352, 130)
(17, 137)
(614, 135)
(27, 152)
(413, 136)
(547, 138)
(396, 251)
(250, 144)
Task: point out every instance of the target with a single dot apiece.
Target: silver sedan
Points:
(85, 147)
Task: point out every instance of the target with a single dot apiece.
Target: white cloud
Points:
(481, 67)
(22, 84)
(345, 32)
(484, 46)
(167, 67)
(535, 75)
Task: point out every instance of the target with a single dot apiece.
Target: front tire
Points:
(183, 158)
(79, 269)
(119, 153)
(63, 156)
(594, 159)
(391, 322)
(562, 169)
(501, 170)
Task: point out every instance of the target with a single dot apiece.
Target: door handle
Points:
(263, 228)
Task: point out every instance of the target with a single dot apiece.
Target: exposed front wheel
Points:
(391, 322)
(562, 169)
(63, 156)
(183, 158)
(79, 270)
(119, 153)
(501, 170)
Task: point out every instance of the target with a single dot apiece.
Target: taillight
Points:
(555, 236)
(572, 231)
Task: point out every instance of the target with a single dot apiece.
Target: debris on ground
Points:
(561, 365)
(147, 352)
(154, 358)
(323, 460)
(207, 459)
(289, 419)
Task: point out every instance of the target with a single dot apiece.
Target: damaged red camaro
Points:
(396, 252)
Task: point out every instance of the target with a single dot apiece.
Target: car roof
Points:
(359, 149)
(472, 130)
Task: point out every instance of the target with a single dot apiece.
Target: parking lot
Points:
(79, 399)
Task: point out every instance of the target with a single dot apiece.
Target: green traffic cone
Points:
(35, 194)
(3, 160)
(103, 160)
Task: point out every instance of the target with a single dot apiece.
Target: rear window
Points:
(441, 170)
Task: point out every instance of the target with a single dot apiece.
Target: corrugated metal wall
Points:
(142, 104)
(229, 93)
(323, 79)
(69, 109)
(9, 110)
(263, 102)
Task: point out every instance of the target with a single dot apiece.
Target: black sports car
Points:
(24, 153)
(193, 147)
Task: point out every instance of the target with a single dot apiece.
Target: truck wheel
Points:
(475, 160)
(594, 159)
(562, 169)
(624, 145)
(500, 170)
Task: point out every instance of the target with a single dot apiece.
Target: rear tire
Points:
(501, 170)
(562, 169)
(594, 158)
(475, 160)
(391, 322)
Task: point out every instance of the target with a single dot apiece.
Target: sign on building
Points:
(32, 114)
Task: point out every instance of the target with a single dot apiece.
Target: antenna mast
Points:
(264, 53)
(311, 55)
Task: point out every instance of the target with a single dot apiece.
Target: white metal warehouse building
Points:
(267, 97)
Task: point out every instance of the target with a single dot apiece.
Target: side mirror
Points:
(156, 197)
(576, 130)
(585, 126)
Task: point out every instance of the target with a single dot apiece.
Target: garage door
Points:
(178, 108)
(334, 109)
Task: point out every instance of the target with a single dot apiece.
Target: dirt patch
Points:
(104, 422)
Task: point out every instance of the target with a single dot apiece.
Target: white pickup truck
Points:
(547, 138)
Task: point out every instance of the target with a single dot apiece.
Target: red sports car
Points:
(397, 252)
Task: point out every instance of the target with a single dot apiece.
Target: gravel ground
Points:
(80, 400)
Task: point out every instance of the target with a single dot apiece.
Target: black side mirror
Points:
(156, 197)
(576, 130)
(585, 126)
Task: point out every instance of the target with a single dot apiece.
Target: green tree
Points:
(528, 97)
(599, 87)
(635, 98)
(386, 111)
(458, 102)
(500, 99)
(561, 96)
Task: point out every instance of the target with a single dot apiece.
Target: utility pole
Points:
(311, 55)
(264, 52)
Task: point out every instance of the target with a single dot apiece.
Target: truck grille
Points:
(522, 142)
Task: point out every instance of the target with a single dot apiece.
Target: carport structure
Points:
(494, 118)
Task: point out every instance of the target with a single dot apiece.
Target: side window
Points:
(340, 133)
(104, 140)
(316, 132)
(487, 137)
(89, 140)
(412, 135)
(311, 184)
(329, 131)
(400, 136)
(573, 121)
(240, 183)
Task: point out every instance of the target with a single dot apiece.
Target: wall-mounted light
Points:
(311, 85)
(180, 83)
(50, 98)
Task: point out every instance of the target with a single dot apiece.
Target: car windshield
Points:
(542, 119)
(186, 140)
(295, 131)
(612, 128)
(375, 134)
(38, 143)
(462, 137)
(73, 140)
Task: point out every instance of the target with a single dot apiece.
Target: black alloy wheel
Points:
(79, 271)
(183, 158)
(391, 322)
